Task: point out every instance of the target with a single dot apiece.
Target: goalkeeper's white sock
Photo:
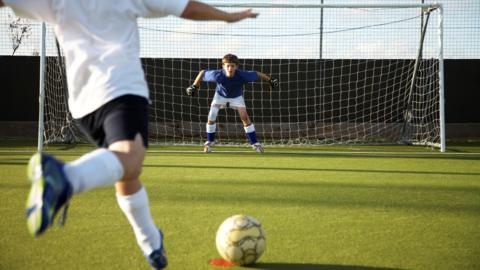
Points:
(251, 134)
(100, 167)
(137, 210)
(211, 132)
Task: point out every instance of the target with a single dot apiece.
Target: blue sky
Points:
(295, 33)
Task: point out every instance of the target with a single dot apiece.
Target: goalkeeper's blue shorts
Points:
(120, 119)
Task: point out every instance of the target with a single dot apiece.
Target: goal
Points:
(349, 74)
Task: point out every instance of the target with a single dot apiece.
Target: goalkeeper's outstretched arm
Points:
(198, 79)
(196, 84)
(264, 77)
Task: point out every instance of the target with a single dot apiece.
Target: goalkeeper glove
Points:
(273, 83)
(191, 90)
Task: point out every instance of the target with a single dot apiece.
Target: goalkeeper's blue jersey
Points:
(230, 87)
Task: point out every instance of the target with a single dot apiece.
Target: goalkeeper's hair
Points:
(230, 58)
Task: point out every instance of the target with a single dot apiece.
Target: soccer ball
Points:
(241, 239)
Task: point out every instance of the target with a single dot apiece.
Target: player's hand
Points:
(191, 90)
(238, 16)
(273, 83)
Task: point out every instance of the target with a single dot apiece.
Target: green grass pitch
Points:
(340, 208)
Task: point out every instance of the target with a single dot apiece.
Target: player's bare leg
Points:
(131, 155)
(250, 130)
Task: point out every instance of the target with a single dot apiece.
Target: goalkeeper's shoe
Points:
(258, 147)
(158, 258)
(50, 191)
(208, 146)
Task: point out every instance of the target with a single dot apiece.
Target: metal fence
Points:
(461, 24)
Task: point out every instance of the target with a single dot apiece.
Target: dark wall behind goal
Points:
(20, 79)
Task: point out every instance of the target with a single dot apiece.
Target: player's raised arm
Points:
(1, 3)
(264, 77)
(200, 11)
(198, 79)
(196, 84)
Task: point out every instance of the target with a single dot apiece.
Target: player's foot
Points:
(208, 146)
(258, 147)
(49, 192)
(158, 258)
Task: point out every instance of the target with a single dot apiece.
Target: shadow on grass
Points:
(327, 194)
(307, 266)
(313, 153)
(15, 161)
(215, 167)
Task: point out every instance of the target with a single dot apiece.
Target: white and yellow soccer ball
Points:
(241, 239)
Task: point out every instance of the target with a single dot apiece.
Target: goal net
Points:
(349, 74)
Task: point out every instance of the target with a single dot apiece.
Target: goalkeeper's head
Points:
(230, 64)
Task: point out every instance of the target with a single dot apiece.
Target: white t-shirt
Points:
(101, 44)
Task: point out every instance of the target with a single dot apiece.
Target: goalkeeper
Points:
(229, 90)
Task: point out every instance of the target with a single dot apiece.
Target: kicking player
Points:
(108, 97)
(230, 81)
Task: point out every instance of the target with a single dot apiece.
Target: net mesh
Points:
(345, 77)
(338, 82)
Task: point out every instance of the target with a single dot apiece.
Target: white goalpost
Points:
(349, 74)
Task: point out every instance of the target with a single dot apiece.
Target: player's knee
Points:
(132, 173)
(246, 121)
(133, 164)
(213, 113)
(131, 155)
(244, 117)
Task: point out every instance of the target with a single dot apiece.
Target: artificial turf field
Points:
(331, 207)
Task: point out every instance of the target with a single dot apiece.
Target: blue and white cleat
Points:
(208, 147)
(49, 192)
(258, 147)
(158, 258)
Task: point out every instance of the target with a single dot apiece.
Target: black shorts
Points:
(120, 119)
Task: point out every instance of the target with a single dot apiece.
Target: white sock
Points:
(211, 128)
(100, 167)
(137, 210)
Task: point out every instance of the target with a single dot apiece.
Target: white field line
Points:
(317, 152)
